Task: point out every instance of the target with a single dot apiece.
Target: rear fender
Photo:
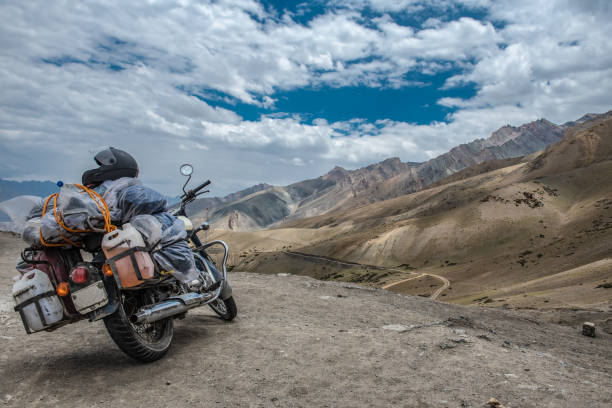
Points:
(113, 300)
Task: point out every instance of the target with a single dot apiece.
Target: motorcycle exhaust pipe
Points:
(168, 308)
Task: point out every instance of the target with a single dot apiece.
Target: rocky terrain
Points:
(264, 205)
(507, 142)
(298, 342)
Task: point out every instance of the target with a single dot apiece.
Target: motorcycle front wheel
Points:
(225, 308)
(144, 342)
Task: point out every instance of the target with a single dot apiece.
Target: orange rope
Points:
(60, 219)
(97, 198)
(42, 240)
(102, 206)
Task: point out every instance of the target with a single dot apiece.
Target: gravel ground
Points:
(298, 342)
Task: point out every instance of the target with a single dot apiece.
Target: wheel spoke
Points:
(219, 306)
(148, 332)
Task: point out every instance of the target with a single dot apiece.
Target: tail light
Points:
(79, 275)
(63, 289)
(107, 270)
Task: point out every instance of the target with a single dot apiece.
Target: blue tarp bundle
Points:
(128, 201)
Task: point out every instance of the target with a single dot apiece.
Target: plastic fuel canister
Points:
(126, 248)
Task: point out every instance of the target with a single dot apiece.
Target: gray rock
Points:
(396, 327)
(445, 346)
(588, 329)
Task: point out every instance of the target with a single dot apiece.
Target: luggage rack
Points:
(33, 261)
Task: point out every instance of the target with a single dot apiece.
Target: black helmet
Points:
(114, 164)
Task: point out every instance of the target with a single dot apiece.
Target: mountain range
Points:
(264, 205)
(522, 219)
(531, 233)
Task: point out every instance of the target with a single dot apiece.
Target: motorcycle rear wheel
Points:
(146, 342)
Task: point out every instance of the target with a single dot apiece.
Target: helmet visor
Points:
(105, 157)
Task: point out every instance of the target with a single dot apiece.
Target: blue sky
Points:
(273, 91)
(414, 102)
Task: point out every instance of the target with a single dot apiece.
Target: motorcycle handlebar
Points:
(201, 186)
(192, 193)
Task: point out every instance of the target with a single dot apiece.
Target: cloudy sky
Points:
(278, 91)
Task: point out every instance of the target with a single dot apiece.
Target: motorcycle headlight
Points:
(187, 222)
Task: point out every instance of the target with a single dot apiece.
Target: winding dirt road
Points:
(438, 292)
(435, 295)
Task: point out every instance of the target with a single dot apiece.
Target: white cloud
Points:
(557, 62)
(295, 161)
(121, 73)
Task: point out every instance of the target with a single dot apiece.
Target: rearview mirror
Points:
(186, 169)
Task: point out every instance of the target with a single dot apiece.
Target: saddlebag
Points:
(36, 301)
(35, 294)
(50, 261)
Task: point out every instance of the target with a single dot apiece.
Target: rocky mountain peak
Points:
(507, 133)
(538, 124)
(392, 161)
(387, 166)
(336, 174)
(585, 118)
(501, 135)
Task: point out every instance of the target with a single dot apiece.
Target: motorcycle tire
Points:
(143, 342)
(225, 308)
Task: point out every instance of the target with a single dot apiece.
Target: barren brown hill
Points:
(582, 146)
(477, 169)
(536, 234)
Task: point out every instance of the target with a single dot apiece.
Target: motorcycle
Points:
(58, 287)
